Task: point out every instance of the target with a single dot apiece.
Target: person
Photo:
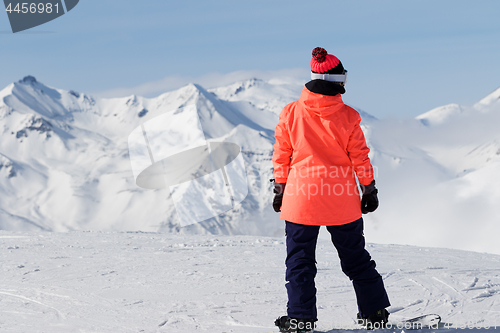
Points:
(319, 151)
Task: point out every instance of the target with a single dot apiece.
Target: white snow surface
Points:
(154, 282)
(64, 164)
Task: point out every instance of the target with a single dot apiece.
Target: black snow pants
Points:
(355, 261)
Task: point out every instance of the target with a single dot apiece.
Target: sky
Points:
(403, 57)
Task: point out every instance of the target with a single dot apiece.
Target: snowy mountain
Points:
(150, 282)
(64, 164)
(437, 177)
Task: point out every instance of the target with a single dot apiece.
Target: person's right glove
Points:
(369, 200)
(279, 189)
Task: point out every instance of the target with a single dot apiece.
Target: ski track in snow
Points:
(148, 282)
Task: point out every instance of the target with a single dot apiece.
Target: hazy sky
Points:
(403, 57)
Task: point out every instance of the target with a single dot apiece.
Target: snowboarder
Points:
(320, 149)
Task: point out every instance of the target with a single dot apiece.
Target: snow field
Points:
(148, 282)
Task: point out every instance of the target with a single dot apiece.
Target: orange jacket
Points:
(319, 146)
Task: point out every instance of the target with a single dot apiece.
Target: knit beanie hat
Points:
(324, 63)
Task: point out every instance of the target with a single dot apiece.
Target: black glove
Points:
(279, 189)
(369, 200)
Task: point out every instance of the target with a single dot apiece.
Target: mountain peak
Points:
(440, 114)
(492, 98)
(194, 87)
(188, 89)
(29, 79)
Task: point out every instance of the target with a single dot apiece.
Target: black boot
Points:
(294, 325)
(376, 320)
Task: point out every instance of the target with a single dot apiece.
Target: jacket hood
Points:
(322, 105)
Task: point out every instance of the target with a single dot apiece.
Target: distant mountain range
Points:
(64, 164)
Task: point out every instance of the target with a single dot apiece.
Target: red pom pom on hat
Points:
(319, 54)
(322, 62)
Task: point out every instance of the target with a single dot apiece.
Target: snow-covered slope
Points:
(64, 164)
(150, 282)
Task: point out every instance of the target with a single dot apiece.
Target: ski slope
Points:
(153, 282)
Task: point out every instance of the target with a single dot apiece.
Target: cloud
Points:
(210, 80)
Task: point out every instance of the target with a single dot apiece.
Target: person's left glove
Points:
(279, 189)
(369, 200)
